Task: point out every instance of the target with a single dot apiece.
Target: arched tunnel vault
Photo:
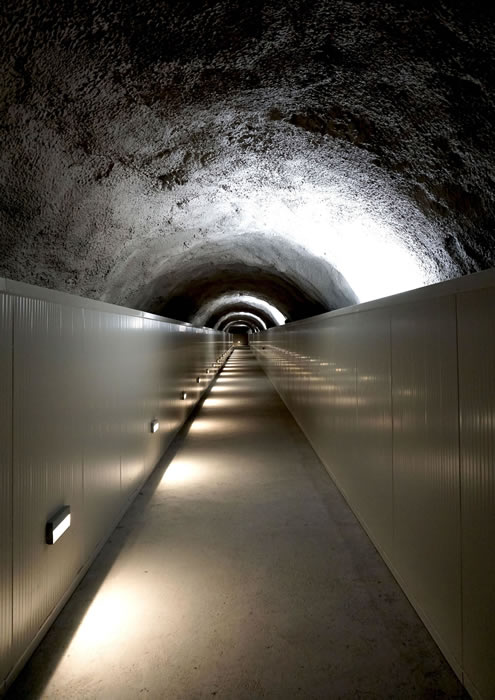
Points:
(161, 155)
(218, 319)
(236, 326)
(285, 275)
(239, 318)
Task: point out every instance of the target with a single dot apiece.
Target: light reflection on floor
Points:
(240, 574)
(112, 612)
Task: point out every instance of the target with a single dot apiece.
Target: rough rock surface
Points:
(310, 152)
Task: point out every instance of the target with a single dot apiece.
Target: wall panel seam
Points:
(392, 426)
(82, 543)
(459, 453)
(12, 360)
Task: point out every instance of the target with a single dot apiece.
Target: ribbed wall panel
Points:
(150, 356)
(373, 487)
(476, 317)
(381, 390)
(87, 380)
(336, 379)
(5, 485)
(176, 377)
(340, 352)
(47, 458)
(134, 436)
(426, 462)
(103, 399)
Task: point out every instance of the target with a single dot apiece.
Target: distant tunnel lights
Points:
(57, 525)
(154, 426)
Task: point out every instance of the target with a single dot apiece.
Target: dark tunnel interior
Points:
(239, 165)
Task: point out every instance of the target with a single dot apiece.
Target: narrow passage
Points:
(239, 573)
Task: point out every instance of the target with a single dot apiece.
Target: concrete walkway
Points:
(239, 573)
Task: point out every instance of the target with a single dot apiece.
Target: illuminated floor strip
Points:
(238, 574)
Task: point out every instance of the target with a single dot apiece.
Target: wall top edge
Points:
(31, 291)
(458, 285)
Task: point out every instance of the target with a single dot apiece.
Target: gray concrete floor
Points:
(239, 573)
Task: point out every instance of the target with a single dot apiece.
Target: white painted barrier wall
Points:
(397, 398)
(80, 383)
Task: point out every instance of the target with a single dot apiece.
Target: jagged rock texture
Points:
(160, 155)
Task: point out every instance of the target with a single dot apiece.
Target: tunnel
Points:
(218, 211)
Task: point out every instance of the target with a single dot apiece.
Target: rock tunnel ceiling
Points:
(164, 155)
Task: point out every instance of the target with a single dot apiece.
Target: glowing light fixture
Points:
(183, 395)
(198, 380)
(57, 525)
(154, 425)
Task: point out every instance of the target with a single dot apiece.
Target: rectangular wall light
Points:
(154, 426)
(57, 525)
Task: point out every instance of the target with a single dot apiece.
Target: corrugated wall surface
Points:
(476, 312)
(48, 427)
(426, 551)
(398, 399)
(5, 485)
(87, 381)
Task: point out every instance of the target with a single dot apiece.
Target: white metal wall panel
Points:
(134, 436)
(476, 317)
(373, 487)
(167, 407)
(335, 377)
(175, 379)
(381, 390)
(343, 415)
(5, 486)
(150, 357)
(426, 463)
(87, 380)
(103, 397)
(47, 459)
